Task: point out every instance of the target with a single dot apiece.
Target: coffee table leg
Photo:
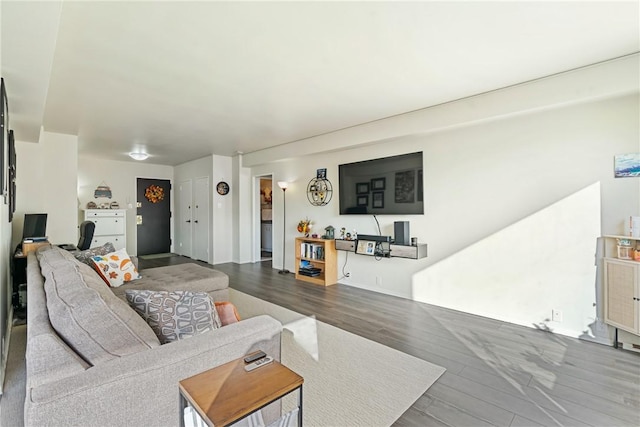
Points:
(183, 405)
(299, 408)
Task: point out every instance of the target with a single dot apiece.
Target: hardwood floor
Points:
(497, 373)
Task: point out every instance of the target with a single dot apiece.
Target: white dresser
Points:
(111, 226)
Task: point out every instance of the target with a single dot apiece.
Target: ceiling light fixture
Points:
(138, 156)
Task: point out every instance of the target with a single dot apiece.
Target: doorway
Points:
(153, 216)
(265, 220)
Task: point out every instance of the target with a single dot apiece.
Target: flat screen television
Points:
(385, 186)
(35, 225)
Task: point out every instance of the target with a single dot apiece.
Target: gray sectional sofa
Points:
(92, 361)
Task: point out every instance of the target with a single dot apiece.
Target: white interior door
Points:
(186, 218)
(201, 219)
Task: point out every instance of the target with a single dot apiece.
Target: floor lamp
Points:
(283, 185)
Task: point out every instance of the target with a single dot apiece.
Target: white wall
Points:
(514, 200)
(46, 182)
(222, 210)
(121, 178)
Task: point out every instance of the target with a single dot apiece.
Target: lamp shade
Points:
(283, 184)
(138, 156)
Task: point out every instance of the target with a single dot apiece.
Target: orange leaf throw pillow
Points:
(116, 268)
(227, 313)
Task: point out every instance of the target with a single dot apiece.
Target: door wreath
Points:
(154, 193)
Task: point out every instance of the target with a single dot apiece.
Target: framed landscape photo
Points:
(363, 200)
(362, 188)
(377, 199)
(378, 184)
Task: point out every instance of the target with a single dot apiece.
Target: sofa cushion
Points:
(175, 315)
(87, 315)
(116, 268)
(227, 312)
(87, 255)
(188, 276)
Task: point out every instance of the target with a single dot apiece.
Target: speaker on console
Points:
(401, 233)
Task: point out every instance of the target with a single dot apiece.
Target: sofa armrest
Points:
(142, 388)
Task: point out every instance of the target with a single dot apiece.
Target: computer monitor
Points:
(35, 225)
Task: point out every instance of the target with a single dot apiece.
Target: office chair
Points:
(86, 234)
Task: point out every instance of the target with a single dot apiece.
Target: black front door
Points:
(154, 216)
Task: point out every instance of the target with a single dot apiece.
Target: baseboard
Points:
(5, 350)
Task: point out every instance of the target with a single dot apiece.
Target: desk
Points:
(228, 393)
(19, 269)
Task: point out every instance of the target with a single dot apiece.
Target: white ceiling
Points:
(182, 80)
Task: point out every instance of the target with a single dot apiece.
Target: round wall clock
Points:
(222, 188)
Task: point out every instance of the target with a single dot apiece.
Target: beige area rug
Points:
(348, 380)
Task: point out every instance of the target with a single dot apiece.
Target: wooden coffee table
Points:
(228, 393)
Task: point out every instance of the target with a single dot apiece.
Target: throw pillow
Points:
(227, 312)
(175, 315)
(116, 268)
(87, 255)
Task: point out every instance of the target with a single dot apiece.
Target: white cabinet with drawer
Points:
(111, 226)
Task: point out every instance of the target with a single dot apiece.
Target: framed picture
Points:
(4, 134)
(378, 184)
(12, 173)
(626, 165)
(363, 200)
(405, 186)
(321, 173)
(362, 188)
(377, 199)
(420, 186)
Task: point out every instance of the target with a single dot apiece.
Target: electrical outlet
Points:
(556, 315)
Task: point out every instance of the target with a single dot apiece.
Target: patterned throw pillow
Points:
(87, 255)
(174, 315)
(116, 268)
(227, 312)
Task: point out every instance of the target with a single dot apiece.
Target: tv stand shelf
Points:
(397, 251)
(319, 253)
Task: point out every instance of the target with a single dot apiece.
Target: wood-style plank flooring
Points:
(497, 373)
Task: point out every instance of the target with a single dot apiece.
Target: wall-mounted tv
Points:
(385, 186)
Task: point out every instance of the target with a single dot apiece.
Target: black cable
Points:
(379, 232)
(346, 258)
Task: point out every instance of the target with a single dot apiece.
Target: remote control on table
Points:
(255, 356)
(258, 363)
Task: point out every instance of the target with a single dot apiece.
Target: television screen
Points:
(385, 186)
(35, 225)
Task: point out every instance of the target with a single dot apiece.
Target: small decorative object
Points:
(319, 191)
(92, 205)
(315, 236)
(154, 193)
(114, 205)
(328, 232)
(343, 231)
(102, 190)
(304, 227)
(222, 188)
(321, 173)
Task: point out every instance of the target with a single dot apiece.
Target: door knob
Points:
(196, 221)
(188, 220)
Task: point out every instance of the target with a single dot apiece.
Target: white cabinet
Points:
(111, 226)
(621, 287)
